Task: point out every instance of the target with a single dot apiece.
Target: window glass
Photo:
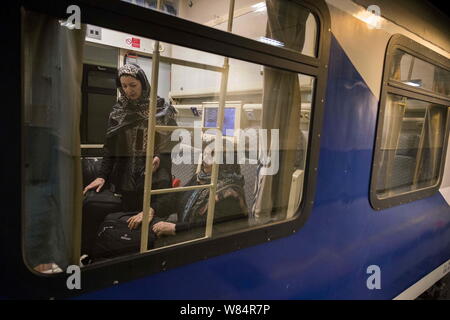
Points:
(279, 23)
(418, 73)
(260, 154)
(411, 145)
(257, 98)
(168, 6)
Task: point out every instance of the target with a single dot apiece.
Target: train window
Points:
(412, 125)
(418, 73)
(214, 148)
(168, 6)
(411, 145)
(256, 97)
(250, 20)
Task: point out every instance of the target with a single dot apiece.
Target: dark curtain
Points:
(51, 73)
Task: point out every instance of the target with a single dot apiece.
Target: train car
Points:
(321, 127)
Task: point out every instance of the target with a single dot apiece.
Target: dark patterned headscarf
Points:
(230, 183)
(126, 111)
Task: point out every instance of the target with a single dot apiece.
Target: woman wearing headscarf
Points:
(123, 164)
(192, 206)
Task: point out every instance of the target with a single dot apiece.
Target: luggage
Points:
(96, 206)
(114, 238)
(105, 198)
(91, 168)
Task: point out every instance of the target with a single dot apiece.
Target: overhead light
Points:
(372, 20)
(272, 42)
(412, 84)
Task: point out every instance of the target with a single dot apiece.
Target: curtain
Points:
(51, 73)
(427, 171)
(280, 110)
(392, 123)
(392, 128)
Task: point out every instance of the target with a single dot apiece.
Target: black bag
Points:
(91, 168)
(96, 206)
(104, 199)
(114, 238)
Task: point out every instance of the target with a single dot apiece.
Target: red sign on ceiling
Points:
(134, 42)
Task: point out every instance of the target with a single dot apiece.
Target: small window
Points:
(250, 20)
(411, 145)
(418, 73)
(412, 125)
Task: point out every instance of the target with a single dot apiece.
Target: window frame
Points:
(394, 87)
(155, 25)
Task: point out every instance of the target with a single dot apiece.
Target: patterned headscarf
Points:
(230, 183)
(127, 111)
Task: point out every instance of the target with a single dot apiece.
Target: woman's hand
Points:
(97, 183)
(164, 229)
(135, 221)
(156, 162)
